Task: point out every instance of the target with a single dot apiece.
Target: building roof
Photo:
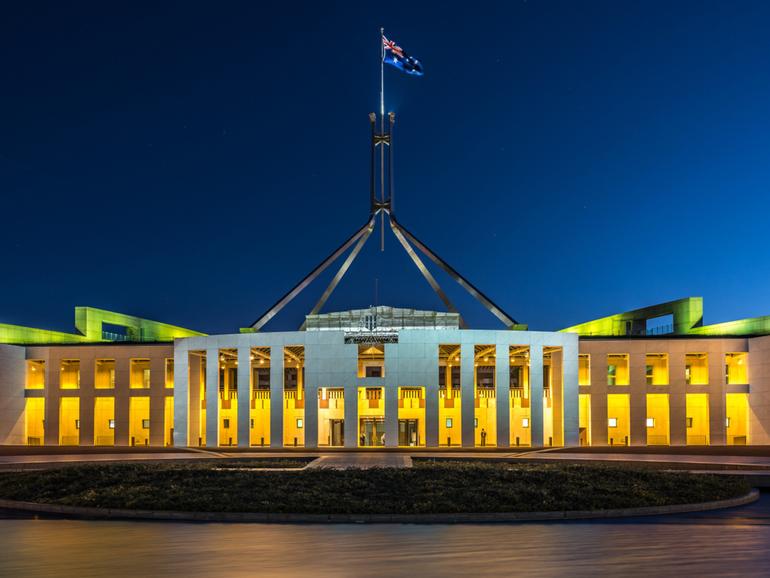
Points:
(96, 326)
(685, 319)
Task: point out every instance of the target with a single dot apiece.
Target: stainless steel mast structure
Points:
(383, 206)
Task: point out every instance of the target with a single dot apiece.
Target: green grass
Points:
(445, 487)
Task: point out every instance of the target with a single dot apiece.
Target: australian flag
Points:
(395, 56)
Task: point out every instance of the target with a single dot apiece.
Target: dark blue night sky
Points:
(190, 162)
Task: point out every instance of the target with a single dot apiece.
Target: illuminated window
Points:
(727, 422)
(145, 424)
(656, 370)
(449, 422)
(299, 423)
(475, 422)
(650, 422)
(111, 424)
(77, 424)
(696, 369)
(69, 374)
(35, 374)
(736, 368)
(584, 369)
(169, 372)
(617, 369)
(525, 422)
(612, 422)
(140, 374)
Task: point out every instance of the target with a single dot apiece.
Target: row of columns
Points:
(186, 406)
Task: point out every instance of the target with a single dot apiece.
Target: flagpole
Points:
(382, 131)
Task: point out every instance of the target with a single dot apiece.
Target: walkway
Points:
(363, 461)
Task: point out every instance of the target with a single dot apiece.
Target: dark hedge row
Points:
(445, 487)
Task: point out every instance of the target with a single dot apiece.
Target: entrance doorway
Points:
(372, 432)
(337, 432)
(408, 432)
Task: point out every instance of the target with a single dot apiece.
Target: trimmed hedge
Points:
(427, 488)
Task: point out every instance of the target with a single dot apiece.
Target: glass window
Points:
(650, 422)
(612, 422)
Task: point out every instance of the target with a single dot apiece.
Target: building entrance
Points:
(372, 432)
(337, 432)
(408, 432)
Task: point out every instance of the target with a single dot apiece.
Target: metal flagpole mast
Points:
(382, 132)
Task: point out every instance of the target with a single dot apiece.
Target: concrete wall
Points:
(12, 377)
(676, 348)
(87, 355)
(759, 394)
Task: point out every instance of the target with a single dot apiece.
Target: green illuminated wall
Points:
(688, 320)
(687, 313)
(88, 322)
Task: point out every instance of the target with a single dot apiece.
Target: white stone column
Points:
(244, 396)
(536, 394)
(468, 397)
(181, 397)
(391, 415)
(276, 397)
(502, 394)
(431, 411)
(212, 397)
(570, 391)
(351, 415)
(311, 414)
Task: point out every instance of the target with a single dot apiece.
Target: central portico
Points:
(377, 377)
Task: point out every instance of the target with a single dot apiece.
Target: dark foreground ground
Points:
(428, 487)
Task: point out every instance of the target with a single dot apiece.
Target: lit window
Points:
(727, 422)
(299, 423)
(111, 424)
(449, 423)
(145, 424)
(612, 422)
(525, 422)
(77, 424)
(650, 422)
(475, 422)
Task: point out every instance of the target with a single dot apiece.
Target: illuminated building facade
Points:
(387, 377)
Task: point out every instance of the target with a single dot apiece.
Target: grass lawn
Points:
(442, 487)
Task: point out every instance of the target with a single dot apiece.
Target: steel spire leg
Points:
(297, 289)
(494, 309)
(342, 270)
(424, 270)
